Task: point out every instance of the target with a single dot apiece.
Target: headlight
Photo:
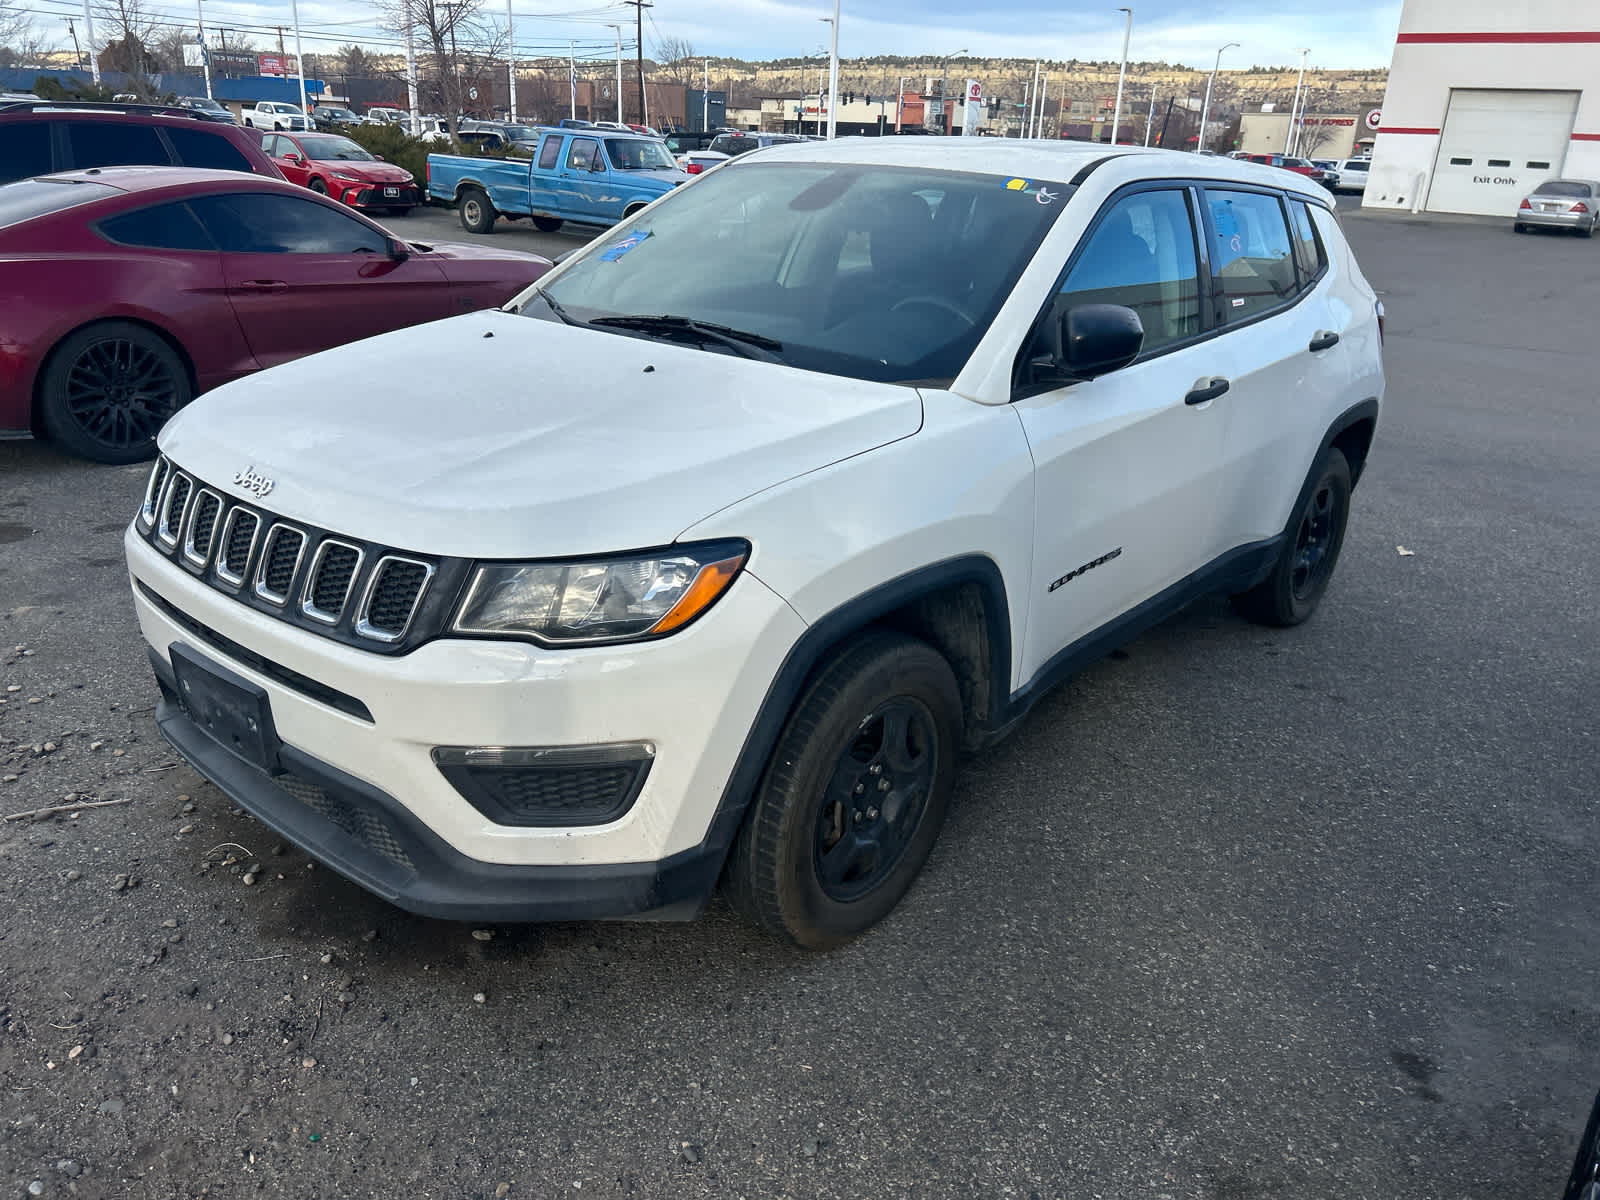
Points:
(605, 600)
(348, 178)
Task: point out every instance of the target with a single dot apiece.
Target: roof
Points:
(1058, 161)
(153, 179)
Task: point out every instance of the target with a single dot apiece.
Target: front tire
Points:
(854, 795)
(317, 186)
(1310, 552)
(477, 214)
(108, 389)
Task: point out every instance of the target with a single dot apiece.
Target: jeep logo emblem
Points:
(257, 485)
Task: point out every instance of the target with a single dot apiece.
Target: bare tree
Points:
(20, 43)
(677, 62)
(445, 28)
(127, 30)
(1313, 138)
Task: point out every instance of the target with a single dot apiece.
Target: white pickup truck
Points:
(274, 114)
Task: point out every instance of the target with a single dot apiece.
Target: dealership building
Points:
(1486, 99)
(1322, 135)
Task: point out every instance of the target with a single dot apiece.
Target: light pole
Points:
(705, 95)
(618, 28)
(88, 34)
(205, 53)
(1150, 124)
(1294, 109)
(1127, 32)
(511, 60)
(1205, 109)
(944, 81)
(300, 63)
(833, 69)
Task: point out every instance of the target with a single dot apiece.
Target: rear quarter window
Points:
(160, 227)
(115, 144)
(24, 150)
(550, 153)
(199, 148)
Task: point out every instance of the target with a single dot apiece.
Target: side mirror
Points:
(379, 157)
(1096, 339)
(398, 250)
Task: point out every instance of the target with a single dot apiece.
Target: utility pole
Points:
(944, 81)
(1151, 122)
(899, 103)
(1033, 99)
(88, 33)
(1116, 117)
(511, 59)
(572, 81)
(299, 59)
(281, 51)
(705, 95)
(1044, 98)
(1289, 138)
(638, 27)
(77, 51)
(1161, 139)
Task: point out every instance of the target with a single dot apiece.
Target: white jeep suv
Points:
(691, 567)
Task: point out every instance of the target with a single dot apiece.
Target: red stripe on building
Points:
(1405, 129)
(1496, 39)
(1586, 137)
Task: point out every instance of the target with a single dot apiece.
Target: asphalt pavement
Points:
(1236, 914)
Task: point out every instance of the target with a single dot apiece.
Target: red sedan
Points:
(338, 167)
(130, 290)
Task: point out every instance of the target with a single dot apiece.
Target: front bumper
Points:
(692, 697)
(376, 195)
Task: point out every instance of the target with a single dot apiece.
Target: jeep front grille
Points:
(362, 593)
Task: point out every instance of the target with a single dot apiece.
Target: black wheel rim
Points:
(1314, 544)
(875, 799)
(120, 392)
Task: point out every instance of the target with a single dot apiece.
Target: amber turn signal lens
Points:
(710, 583)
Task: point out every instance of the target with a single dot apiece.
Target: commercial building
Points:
(1486, 99)
(1322, 135)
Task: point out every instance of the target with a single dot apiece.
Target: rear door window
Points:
(115, 144)
(1250, 252)
(200, 148)
(24, 150)
(1308, 252)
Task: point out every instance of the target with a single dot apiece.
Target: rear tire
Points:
(1586, 231)
(1519, 227)
(1311, 546)
(547, 224)
(853, 796)
(108, 389)
(477, 214)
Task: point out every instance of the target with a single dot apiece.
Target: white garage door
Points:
(1497, 146)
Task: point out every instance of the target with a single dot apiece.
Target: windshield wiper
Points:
(741, 342)
(566, 317)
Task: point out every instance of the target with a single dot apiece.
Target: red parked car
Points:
(130, 290)
(341, 168)
(1300, 166)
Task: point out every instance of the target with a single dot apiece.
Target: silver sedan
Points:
(1561, 204)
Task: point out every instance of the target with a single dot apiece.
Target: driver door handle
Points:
(263, 285)
(1325, 339)
(1206, 389)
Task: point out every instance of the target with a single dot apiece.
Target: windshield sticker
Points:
(1029, 188)
(612, 253)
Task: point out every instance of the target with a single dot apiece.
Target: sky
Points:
(1342, 33)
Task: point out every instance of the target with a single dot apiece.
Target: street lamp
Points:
(833, 68)
(1116, 117)
(1294, 109)
(944, 80)
(618, 28)
(1205, 109)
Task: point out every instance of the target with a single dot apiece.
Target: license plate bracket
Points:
(232, 711)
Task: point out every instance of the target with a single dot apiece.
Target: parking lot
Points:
(1237, 913)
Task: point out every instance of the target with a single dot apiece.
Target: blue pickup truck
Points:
(595, 177)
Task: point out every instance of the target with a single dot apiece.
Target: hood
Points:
(668, 178)
(374, 172)
(499, 436)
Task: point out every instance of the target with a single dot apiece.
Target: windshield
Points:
(38, 197)
(1560, 187)
(334, 149)
(631, 154)
(879, 273)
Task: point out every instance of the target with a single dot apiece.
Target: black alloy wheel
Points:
(109, 389)
(875, 799)
(1310, 549)
(1316, 541)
